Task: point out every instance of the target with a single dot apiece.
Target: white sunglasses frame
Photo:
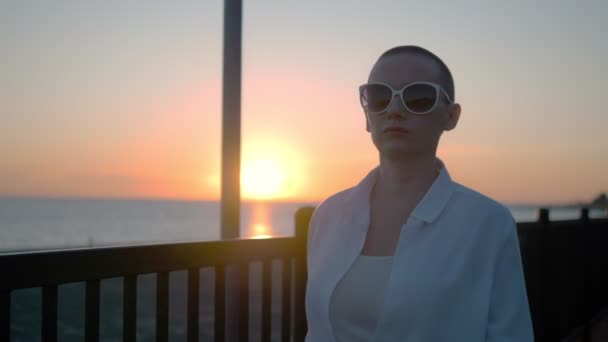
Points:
(399, 92)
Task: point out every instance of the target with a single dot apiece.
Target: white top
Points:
(359, 297)
(456, 272)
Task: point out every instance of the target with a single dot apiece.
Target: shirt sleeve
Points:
(509, 314)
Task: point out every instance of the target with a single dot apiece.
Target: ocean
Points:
(43, 223)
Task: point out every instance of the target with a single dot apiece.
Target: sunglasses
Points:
(418, 97)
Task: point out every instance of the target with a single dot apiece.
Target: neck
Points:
(406, 176)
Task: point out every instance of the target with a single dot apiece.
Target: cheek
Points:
(375, 134)
(371, 125)
(429, 127)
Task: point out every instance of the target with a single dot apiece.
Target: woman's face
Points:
(422, 132)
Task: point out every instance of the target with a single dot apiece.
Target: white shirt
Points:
(456, 272)
(358, 299)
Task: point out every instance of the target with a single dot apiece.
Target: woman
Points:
(408, 254)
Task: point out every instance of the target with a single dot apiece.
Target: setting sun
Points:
(263, 179)
(270, 171)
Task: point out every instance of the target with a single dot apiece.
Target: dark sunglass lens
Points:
(420, 98)
(376, 97)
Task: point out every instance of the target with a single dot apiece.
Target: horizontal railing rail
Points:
(23, 270)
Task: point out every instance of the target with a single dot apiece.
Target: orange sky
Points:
(129, 105)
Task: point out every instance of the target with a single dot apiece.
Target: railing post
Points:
(162, 306)
(219, 331)
(192, 304)
(5, 315)
(546, 332)
(587, 269)
(286, 300)
(49, 313)
(243, 301)
(91, 326)
(129, 308)
(303, 216)
(266, 299)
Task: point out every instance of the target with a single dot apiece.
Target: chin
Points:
(396, 150)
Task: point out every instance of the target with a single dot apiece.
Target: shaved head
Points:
(445, 75)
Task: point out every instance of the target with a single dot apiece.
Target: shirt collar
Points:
(429, 207)
(436, 197)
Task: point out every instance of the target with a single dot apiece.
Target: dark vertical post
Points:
(286, 301)
(587, 310)
(231, 119)
(546, 327)
(243, 303)
(219, 331)
(91, 327)
(303, 216)
(49, 313)
(231, 145)
(162, 306)
(129, 306)
(266, 299)
(5, 315)
(192, 304)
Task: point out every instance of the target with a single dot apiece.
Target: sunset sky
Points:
(123, 98)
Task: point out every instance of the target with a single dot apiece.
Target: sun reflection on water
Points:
(260, 222)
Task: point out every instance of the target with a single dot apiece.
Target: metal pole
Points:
(231, 155)
(231, 120)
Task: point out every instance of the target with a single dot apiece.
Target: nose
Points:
(396, 108)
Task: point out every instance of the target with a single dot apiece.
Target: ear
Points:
(452, 117)
(367, 126)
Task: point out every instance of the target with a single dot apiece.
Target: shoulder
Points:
(480, 204)
(334, 202)
(327, 212)
(328, 208)
(477, 209)
(483, 221)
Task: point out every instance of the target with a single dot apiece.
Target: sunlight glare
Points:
(261, 231)
(262, 178)
(270, 171)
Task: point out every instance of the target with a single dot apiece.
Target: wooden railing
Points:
(565, 265)
(566, 269)
(53, 268)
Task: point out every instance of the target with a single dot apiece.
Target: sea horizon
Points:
(29, 223)
(547, 204)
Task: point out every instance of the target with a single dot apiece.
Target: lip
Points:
(395, 129)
